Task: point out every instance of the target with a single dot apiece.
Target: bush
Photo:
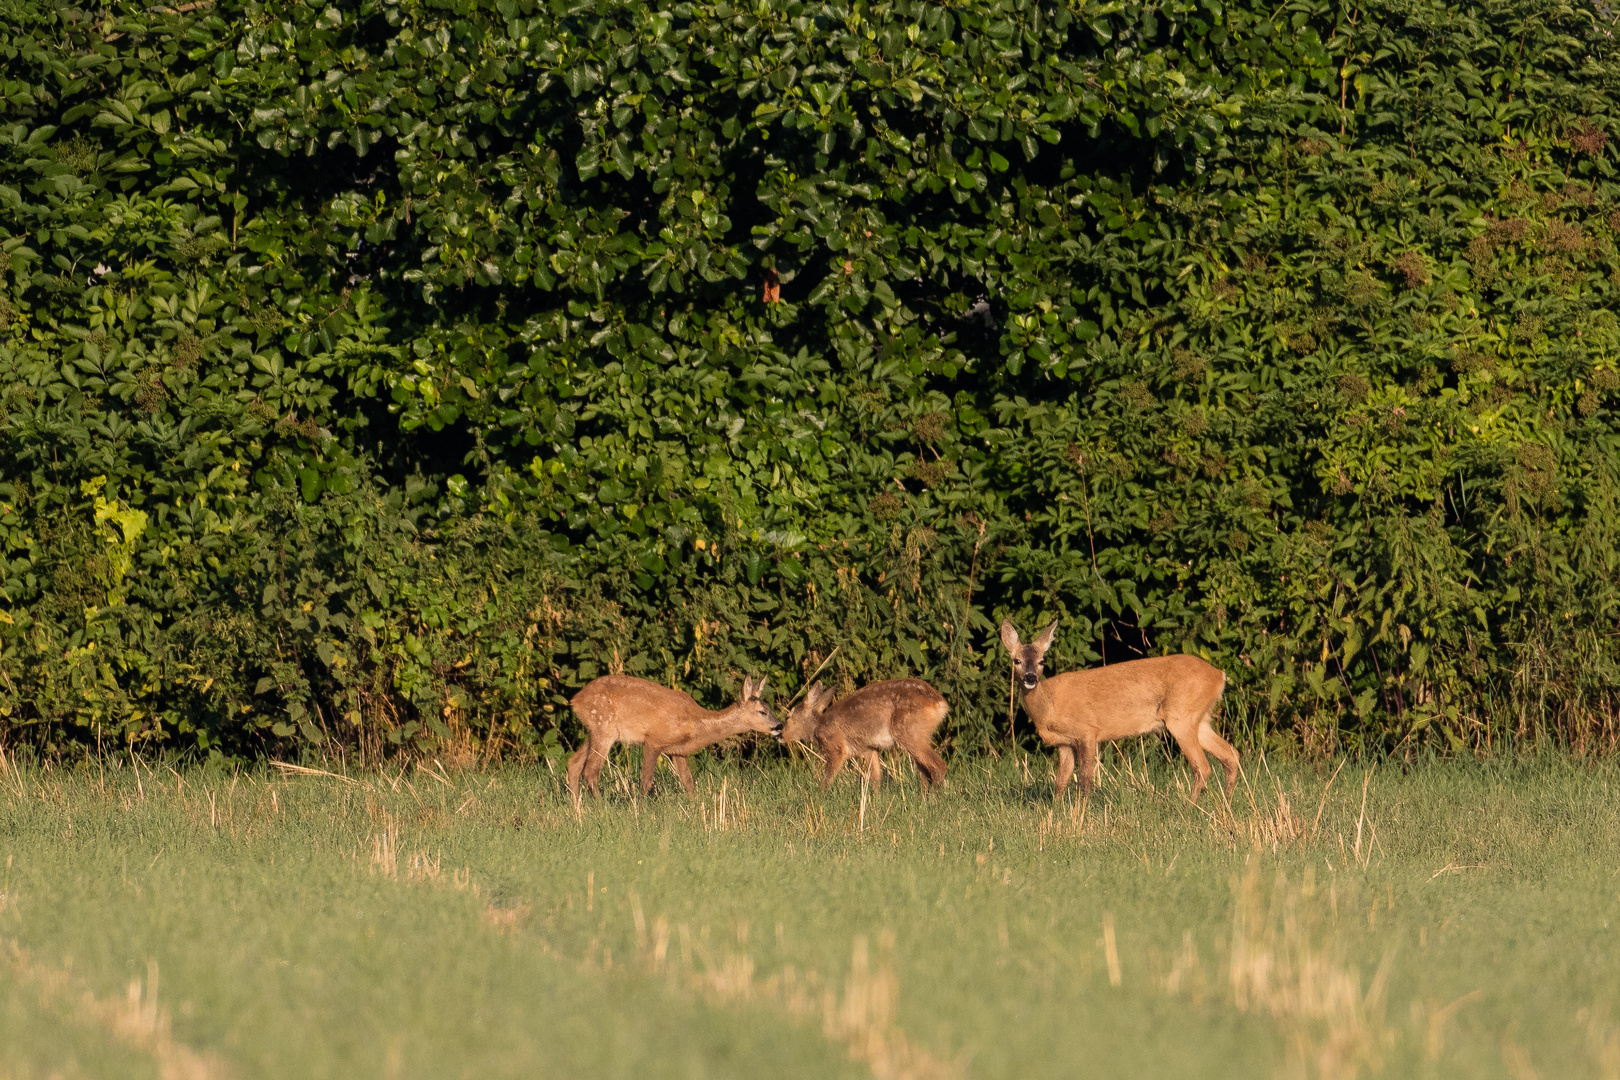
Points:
(373, 378)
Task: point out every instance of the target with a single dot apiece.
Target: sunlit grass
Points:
(1449, 920)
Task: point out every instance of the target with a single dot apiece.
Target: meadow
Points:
(1449, 919)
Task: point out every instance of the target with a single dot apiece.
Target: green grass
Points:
(1451, 920)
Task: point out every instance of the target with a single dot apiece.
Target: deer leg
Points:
(1223, 751)
(684, 771)
(1065, 769)
(930, 766)
(837, 753)
(874, 769)
(1086, 751)
(649, 765)
(594, 762)
(576, 764)
(1187, 738)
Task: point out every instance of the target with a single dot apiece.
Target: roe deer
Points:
(1079, 709)
(623, 708)
(900, 712)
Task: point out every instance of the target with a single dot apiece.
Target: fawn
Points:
(623, 708)
(900, 712)
(1079, 709)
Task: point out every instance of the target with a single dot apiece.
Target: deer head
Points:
(752, 710)
(801, 721)
(1026, 659)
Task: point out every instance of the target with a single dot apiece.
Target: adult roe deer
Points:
(899, 712)
(625, 709)
(1079, 709)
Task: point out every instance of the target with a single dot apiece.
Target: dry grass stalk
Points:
(1432, 1016)
(420, 868)
(505, 920)
(303, 770)
(1187, 972)
(384, 856)
(1602, 1039)
(11, 774)
(137, 1020)
(728, 811)
(1110, 948)
(1278, 969)
(424, 869)
(864, 1017)
(1517, 1060)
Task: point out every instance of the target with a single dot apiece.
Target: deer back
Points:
(629, 710)
(1122, 700)
(883, 714)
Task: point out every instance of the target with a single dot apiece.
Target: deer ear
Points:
(1009, 636)
(1044, 642)
(759, 687)
(748, 688)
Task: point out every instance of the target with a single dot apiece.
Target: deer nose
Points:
(1030, 680)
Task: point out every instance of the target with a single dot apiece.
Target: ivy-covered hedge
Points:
(374, 376)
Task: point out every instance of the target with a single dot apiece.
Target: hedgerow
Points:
(372, 377)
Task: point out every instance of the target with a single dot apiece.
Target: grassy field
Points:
(1451, 920)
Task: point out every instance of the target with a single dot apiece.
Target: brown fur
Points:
(899, 712)
(625, 709)
(1077, 710)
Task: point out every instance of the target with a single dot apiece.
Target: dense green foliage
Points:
(382, 374)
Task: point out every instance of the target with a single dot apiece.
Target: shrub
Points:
(372, 378)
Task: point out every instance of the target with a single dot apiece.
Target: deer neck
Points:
(720, 724)
(1024, 695)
